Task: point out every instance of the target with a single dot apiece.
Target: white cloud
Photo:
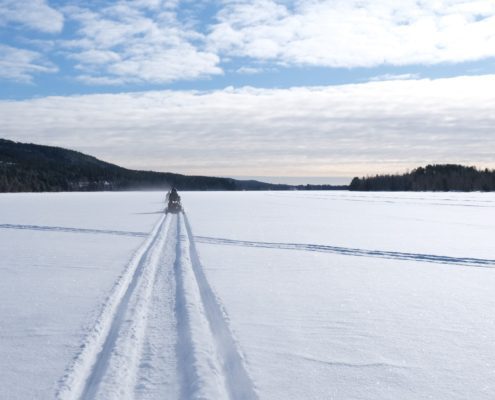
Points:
(249, 70)
(130, 45)
(317, 131)
(395, 77)
(100, 80)
(162, 41)
(96, 56)
(33, 14)
(155, 4)
(20, 64)
(356, 33)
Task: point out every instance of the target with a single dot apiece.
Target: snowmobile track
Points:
(393, 255)
(66, 229)
(162, 332)
(225, 359)
(84, 376)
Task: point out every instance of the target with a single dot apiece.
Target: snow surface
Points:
(270, 295)
(60, 255)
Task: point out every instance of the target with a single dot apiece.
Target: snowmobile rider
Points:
(173, 196)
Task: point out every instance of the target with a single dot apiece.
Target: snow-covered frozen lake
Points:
(269, 295)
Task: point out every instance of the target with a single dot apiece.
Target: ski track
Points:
(394, 255)
(162, 332)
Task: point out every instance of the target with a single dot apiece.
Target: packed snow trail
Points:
(393, 255)
(76, 381)
(162, 332)
(66, 229)
(212, 318)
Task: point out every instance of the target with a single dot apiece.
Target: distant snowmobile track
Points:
(162, 331)
(393, 255)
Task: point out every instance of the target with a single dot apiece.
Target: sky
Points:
(301, 90)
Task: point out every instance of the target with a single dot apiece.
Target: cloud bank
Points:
(356, 33)
(125, 42)
(344, 130)
(21, 64)
(134, 42)
(33, 14)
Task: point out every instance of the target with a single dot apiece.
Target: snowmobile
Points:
(174, 205)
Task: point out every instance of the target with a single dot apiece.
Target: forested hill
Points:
(35, 168)
(447, 177)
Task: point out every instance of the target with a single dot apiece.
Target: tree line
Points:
(36, 168)
(26, 167)
(438, 177)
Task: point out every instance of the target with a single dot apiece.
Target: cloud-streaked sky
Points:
(253, 88)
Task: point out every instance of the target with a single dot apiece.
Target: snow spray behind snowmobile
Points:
(173, 202)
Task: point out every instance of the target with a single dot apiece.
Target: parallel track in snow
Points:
(347, 251)
(162, 332)
(212, 344)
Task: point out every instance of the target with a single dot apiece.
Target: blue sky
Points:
(156, 54)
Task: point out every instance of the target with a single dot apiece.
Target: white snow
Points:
(269, 295)
(320, 318)
(55, 276)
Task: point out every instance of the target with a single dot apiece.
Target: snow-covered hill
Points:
(266, 295)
